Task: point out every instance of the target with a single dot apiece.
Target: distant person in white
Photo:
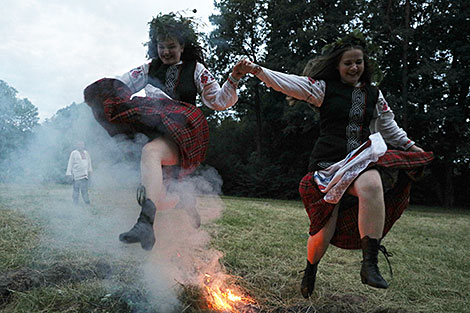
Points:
(79, 168)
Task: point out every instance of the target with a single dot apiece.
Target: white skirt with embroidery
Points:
(335, 180)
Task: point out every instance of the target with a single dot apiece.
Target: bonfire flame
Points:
(225, 299)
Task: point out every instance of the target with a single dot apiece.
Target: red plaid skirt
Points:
(346, 236)
(112, 106)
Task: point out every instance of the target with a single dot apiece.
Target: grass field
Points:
(56, 257)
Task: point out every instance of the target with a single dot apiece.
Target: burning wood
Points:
(228, 300)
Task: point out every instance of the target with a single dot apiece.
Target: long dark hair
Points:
(166, 26)
(325, 67)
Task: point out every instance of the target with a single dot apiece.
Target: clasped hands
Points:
(243, 67)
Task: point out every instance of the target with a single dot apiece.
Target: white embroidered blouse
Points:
(313, 92)
(212, 95)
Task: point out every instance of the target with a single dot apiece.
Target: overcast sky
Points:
(50, 50)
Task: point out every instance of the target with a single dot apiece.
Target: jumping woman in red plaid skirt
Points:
(176, 128)
(356, 187)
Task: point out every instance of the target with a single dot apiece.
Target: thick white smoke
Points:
(180, 254)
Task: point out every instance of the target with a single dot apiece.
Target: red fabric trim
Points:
(184, 122)
(396, 200)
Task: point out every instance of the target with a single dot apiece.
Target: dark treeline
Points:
(261, 146)
(422, 48)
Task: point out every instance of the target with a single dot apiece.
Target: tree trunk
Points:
(448, 187)
(387, 16)
(259, 127)
(404, 77)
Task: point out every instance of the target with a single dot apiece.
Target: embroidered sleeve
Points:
(383, 121)
(300, 87)
(213, 95)
(136, 79)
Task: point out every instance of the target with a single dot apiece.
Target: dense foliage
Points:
(422, 49)
(44, 154)
(261, 146)
(18, 118)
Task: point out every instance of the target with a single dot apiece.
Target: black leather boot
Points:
(308, 281)
(370, 273)
(142, 231)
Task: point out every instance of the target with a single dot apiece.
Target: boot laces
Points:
(141, 195)
(386, 255)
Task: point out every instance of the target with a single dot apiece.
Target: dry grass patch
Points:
(263, 242)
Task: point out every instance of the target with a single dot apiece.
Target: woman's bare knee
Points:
(151, 149)
(161, 149)
(367, 184)
(371, 189)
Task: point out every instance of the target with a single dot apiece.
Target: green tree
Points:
(287, 37)
(46, 157)
(18, 118)
(426, 62)
(423, 54)
(240, 31)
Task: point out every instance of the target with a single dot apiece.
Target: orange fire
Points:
(225, 299)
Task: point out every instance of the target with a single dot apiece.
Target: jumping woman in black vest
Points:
(176, 128)
(356, 187)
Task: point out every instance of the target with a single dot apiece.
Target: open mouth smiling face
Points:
(169, 51)
(351, 66)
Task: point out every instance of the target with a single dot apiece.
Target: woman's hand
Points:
(243, 67)
(415, 148)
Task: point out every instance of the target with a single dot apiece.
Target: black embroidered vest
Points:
(345, 115)
(185, 89)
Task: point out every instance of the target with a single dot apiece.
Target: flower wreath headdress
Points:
(165, 25)
(357, 38)
(354, 38)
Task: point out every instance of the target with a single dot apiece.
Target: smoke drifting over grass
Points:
(180, 255)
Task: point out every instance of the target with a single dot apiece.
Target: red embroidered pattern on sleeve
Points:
(206, 77)
(385, 106)
(137, 72)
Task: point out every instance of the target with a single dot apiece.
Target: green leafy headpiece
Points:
(354, 38)
(172, 25)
